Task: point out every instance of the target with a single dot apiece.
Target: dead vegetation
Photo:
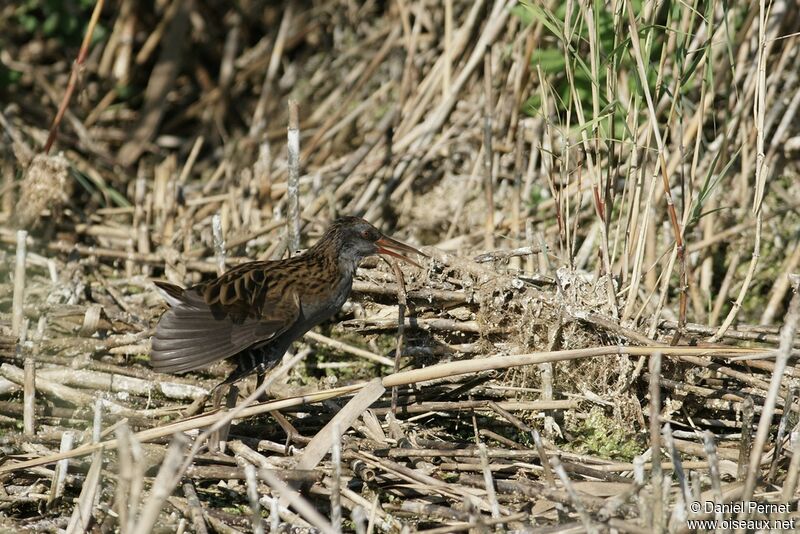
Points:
(612, 225)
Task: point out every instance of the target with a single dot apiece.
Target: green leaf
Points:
(551, 60)
(28, 22)
(554, 25)
(51, 24)
(523, 14)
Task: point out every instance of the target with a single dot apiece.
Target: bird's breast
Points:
(320, 302)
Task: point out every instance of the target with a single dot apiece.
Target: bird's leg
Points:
(261, 374)
(263, 360)
(267, 360)
(214, 438)
(246, 365)
(198, 404)
(230, 402)
(292, 434)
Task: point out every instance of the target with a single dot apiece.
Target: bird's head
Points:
(355, 239)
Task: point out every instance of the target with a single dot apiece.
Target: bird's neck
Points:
(348, 266)
(331, 259)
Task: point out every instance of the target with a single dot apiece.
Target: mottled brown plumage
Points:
(256, 310)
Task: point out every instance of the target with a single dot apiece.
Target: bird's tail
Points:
(172, 294)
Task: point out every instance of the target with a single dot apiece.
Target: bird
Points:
(255, 311)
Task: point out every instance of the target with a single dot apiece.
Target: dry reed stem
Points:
(336, 476)
(19, 283)
(661, 164)
(790, 483)
(657, 518)
(401, 326)
(761, 171)
(29, 398)
(196, 509)
(575, 500)
(299, 503)
(252, 496)
(788, 332)
(244, 409)
(162, 487)
(60, 472)
(345, 347)
(90, 492)
(319, 446)
(292, 191)
(397, 127)
(75, 72)
(791, 395)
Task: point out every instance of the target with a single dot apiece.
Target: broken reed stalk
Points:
(488, 178)
(790, 483)
(128, 483)
(491, 495)
(713, 472)
(74, 74)
(543, 459)
(788, 407)
(29, 398)
(657, 503)
(162, 485)
(575, 500)
(274, 515)
(679, 511)
(298, 502)
(401, 326)
(60, 472)
(91, 490)
(746, 442)
(196, 509)
(252, 497)
(336, 479)
(318, 447)
(546, 371)
(359, 518)
(293, 185)
(17, 313)
(448, 48)
(516, 198)
(219, 243)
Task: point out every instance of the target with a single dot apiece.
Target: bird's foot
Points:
(292, 435)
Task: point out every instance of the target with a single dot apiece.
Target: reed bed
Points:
(604, 334)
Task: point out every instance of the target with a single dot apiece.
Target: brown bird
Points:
(255, 311)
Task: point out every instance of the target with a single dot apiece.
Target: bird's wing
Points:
(217, 319)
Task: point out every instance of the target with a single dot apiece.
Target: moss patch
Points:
(603, 436)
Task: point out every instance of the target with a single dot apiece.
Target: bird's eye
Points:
(365, 234)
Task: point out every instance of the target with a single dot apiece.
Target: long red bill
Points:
(392, 247)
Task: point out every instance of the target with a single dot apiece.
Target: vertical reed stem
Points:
(252, 496)
(657, 521)
(29, 398)
(293, 187)
(17, 313)
(487, 148)
(219, 242)
(336, 477)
